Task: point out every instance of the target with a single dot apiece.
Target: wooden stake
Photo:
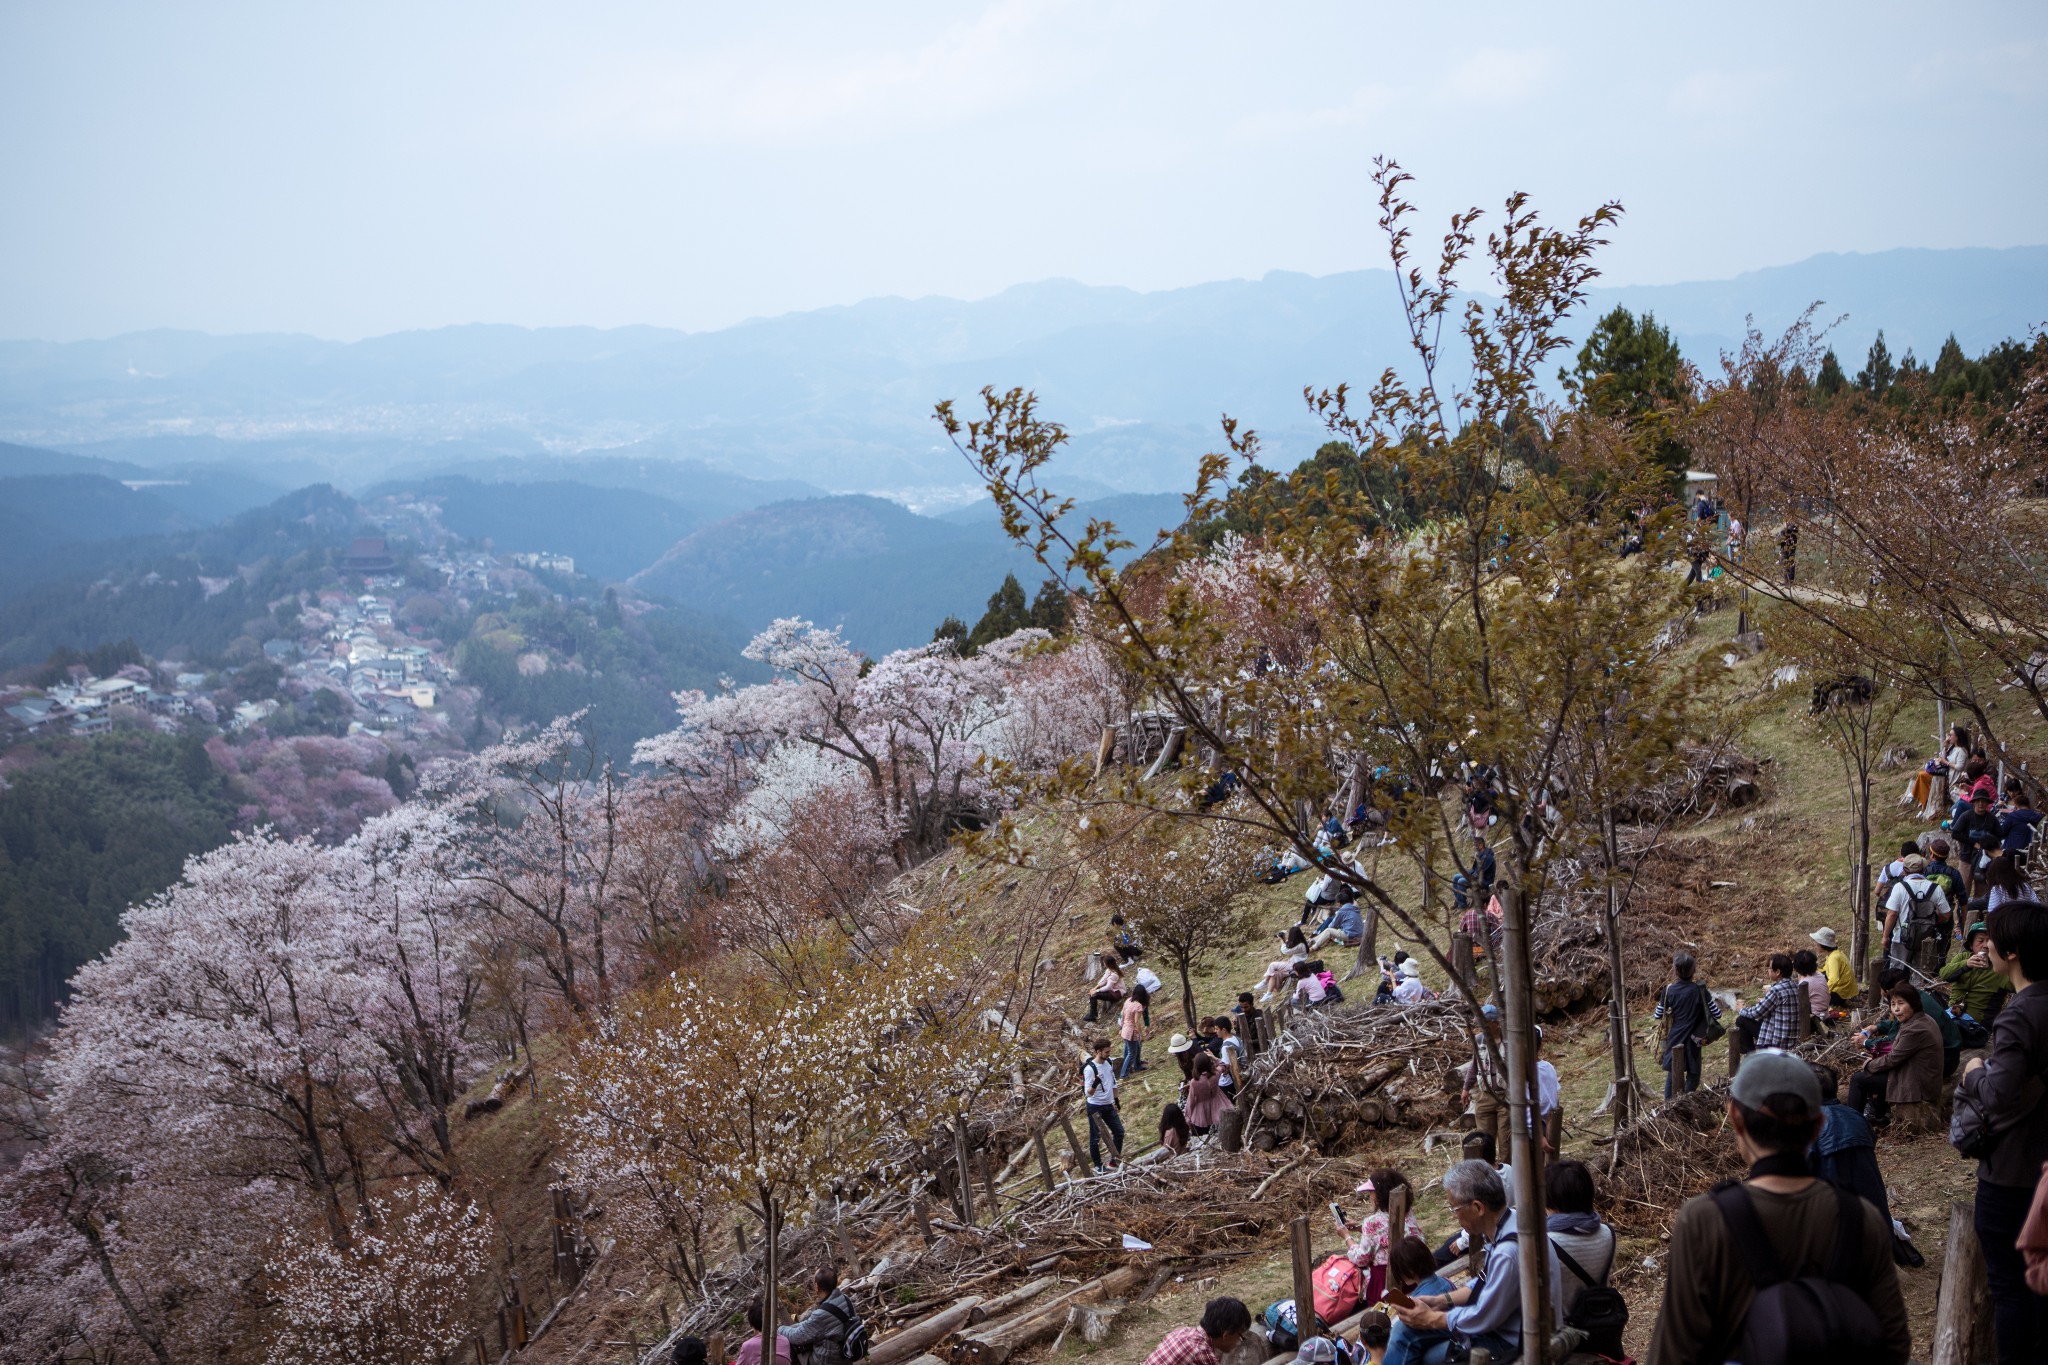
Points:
(1397, 1212)
(1304, 1279)
(1074, 1141)
(924, 1217)
(1044, 1162)
(1962, 1307)
(1104, 749)
(1734, 1052)
(960, 1160)
(988, 1183)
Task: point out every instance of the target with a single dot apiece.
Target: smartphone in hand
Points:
(1338, 1214)
(1397, 1298)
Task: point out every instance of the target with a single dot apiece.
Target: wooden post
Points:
(924, 1217)
(504, 1330)
(1044, 1162)
(1074, 1141)
(1734, 1050)
(1397, 1213)
(1103, 750)
(1463, 963)
(482, 1356)
(739, 1236)
(1962, 1307)
(988, 1183)
(714, 1349)
(960, 1160)
(846, 1256)
(1304, 1280)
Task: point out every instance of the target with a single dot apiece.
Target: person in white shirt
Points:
(1914, 899)
(1547, 1093)
(1098, 1093)
(1411, 991)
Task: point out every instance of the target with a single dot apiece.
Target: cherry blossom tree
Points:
(397, 1294)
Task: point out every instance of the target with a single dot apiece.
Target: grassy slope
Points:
(1789, 859)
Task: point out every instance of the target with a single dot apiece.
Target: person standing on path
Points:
(2006, 1089)
(1098, 1096)
(1132, 1029)
(1688, 1010)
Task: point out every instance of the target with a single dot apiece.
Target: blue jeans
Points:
(1131, 1061)
(1406, 1345)
(1101, 1116)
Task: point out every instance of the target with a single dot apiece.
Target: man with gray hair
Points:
(1487, 1312)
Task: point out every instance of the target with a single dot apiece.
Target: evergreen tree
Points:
(1831, 380)
(1878, 372)
(1049, 608)
(1631, 368)
(1007, 613)
(951, 631)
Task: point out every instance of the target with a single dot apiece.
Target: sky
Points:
(358, 169)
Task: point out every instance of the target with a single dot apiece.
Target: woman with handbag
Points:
(1692, 1019)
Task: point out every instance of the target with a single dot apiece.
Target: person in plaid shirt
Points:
(1224, 1323)
(1777, 1015)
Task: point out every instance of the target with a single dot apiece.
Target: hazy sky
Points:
(350, 169)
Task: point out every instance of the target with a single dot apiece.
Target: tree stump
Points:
(1916, 1118)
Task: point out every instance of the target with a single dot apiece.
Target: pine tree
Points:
(1831, 380)
(1878, 372)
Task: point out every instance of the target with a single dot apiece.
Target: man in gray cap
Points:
(1778, 1224)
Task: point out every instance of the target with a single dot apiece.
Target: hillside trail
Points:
(1763, 878)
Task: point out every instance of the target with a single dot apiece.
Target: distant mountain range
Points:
(841, 398)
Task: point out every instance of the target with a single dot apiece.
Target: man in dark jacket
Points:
(1977, 835)
(1774, 1112)
(819, 1337)
(2007, 1089)
(1845, 1155)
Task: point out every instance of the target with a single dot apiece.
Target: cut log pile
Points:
(1347, 1072)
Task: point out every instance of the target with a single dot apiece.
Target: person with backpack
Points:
(1836, 967)
(1224, 1323)
(1910, 1071)
(1585, 1248)
(1779, 1267)
(1913, 913)
(1098, 1096)
(2001, 1121)
(1944, 873)
(1488, 1312)
(1376, 1232)
(831, 1333)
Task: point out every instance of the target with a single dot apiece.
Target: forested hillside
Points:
(86, 830)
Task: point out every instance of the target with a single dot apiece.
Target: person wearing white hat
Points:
(1836, 967)
(1411, 991)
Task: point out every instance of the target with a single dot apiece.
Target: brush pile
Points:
(1335, 1075)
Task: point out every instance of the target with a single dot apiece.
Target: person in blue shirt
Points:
(1343, 925)
(1411, 1268)
(1487, 1312)
(1845, 1154)
(2017, 822)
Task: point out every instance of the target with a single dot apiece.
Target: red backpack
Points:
(1339, 1285)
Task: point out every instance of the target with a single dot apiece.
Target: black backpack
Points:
(1601, 1312)
(1813, 1320)
(1919, 919)
(855, 1345)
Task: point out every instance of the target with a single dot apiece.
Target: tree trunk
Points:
(1623, 1096)
(1368, 946)
(1859, 937)
(771, 1273)
(1517, 975)
(1184, 965)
